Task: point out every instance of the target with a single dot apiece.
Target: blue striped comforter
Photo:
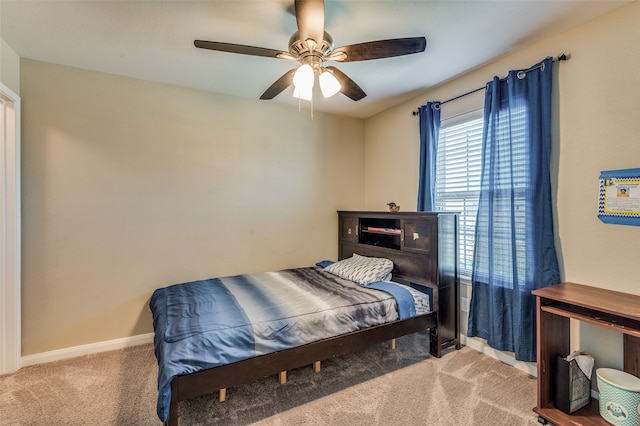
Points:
(208, 323)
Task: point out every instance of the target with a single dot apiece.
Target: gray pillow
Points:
(361, 269)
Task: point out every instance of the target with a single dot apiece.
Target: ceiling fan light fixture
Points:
(304, 78)
(329, 84)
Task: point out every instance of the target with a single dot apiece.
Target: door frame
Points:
(10, 233)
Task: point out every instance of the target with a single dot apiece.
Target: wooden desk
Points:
(556, 305)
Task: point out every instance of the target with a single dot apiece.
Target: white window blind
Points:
(458, 168)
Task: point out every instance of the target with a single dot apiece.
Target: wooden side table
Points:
(556, 305)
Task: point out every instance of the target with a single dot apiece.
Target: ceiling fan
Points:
(311, 46)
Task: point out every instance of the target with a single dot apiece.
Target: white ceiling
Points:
(153, 40)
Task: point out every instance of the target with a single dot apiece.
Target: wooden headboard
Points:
(423, 247)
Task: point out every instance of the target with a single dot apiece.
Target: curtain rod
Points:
(562, 57)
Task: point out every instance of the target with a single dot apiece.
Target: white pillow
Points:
(361, 269)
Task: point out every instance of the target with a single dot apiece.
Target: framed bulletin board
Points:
(619, 200)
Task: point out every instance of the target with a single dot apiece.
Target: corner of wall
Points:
(9, 67)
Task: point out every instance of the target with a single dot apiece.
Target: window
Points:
(458, 167)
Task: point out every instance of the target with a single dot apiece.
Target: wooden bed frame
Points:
(443, 324)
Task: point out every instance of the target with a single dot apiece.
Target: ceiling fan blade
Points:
(310, 19)
(379, 49)
(349, 87)
(238, 48)
(279, 85)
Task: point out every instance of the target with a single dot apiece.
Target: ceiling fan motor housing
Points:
(300, 48)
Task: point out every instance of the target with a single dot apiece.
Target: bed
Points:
(222, 332)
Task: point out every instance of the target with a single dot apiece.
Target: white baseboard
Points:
(91, 348)
(480, 345)
(474, 343)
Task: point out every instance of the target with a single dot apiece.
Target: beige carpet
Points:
(377, 386)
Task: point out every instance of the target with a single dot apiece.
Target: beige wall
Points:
(131, 185)
(9, 67)
(597, 115)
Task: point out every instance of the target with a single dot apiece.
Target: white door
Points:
(10, 351)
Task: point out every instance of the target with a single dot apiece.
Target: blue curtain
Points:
(514, 243)
(429, 134)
